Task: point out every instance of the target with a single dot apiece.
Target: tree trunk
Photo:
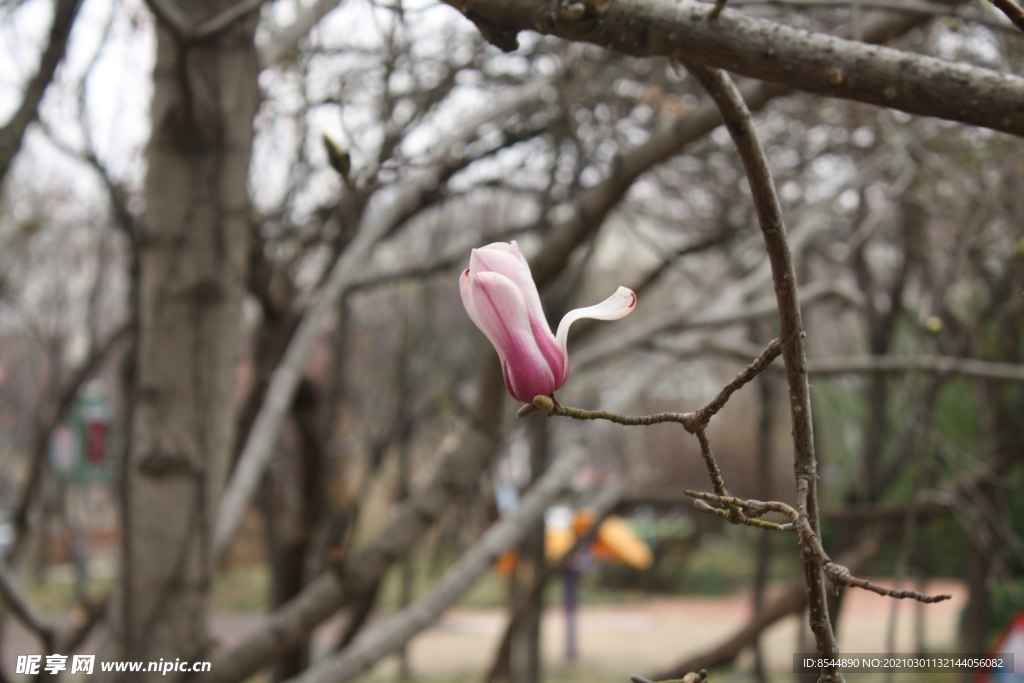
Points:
(192, 269)
(525, 662)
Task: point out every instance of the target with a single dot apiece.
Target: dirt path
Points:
(642, 638)
(619, 640)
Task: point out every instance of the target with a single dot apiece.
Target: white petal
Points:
(618, 305)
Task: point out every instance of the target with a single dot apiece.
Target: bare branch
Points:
(694, 422)
(1012, 10)
(730, 515)
(771, 51)
(769, 213)
(841, 576)
(759, 365)
(13, 132)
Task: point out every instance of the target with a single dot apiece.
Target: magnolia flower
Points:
(501, 298)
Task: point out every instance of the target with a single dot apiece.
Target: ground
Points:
(619, 640)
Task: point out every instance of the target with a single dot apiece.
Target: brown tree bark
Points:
(192, 269)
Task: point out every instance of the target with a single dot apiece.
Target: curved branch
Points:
(769, 214)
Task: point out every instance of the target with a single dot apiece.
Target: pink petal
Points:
(505, 259)
(497, 306)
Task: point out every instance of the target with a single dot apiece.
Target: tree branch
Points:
(771, 51)
(1012, 10)
(13, 132)
(769, 213)
(934, 9)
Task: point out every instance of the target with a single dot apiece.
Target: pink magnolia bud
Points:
(501, 298)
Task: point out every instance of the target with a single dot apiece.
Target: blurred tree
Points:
(192, 247)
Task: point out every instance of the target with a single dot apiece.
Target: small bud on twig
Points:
(545, 403)
(338, 157)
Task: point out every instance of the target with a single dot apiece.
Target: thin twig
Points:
(762, 362)
(551, 407)
(694, 422)
(751, 508)
(701, 506)
(836, 573)
(714, 473)
(841, 576)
